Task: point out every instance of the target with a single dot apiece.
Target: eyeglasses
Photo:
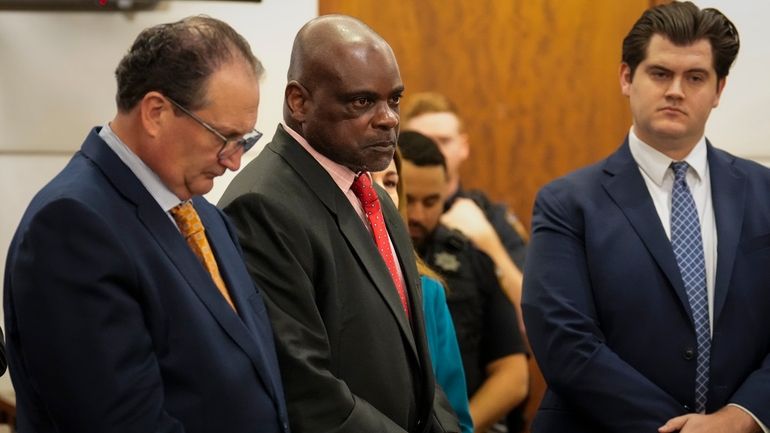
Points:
(230, 145)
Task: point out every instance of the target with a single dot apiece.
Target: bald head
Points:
(327, 41)
(343, 92)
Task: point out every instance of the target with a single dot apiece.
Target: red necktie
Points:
(362, 188)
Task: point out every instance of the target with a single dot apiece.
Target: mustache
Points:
(418, 226)
(382, 143)
(387, 139)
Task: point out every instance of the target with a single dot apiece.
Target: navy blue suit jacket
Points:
(606, 309)
(114, 325)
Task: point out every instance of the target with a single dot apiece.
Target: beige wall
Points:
(741, 124)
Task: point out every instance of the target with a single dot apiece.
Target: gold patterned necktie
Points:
(192, 229)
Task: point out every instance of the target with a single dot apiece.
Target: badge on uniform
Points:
(447, 262)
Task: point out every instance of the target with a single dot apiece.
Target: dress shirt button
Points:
(689, 354)
(687, 409)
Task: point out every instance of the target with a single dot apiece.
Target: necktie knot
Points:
(680, 170)
(364, 191)
(187, 219)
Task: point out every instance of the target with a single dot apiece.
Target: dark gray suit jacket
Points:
(350, 359)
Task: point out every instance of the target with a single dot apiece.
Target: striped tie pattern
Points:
(688, 248)
(192, 229)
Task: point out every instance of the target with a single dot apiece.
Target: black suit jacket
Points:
(351, 361)
(115, 326)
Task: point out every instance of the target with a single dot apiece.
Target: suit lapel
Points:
(164, 232)
(406, 258)
(362, 243)
(627, 189)
(728, 196)
(405, 253)
(351, 226)
(241, 288)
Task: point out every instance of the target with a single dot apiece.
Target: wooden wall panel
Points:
(536, 82)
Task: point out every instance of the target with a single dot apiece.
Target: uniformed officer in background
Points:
(493, 352)
(488, 225)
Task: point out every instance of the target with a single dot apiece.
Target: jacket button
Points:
(689, 354)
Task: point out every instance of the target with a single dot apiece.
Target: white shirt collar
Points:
(656, 164)
(341, 175)
(157, 189)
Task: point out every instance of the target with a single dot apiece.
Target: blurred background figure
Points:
(488, 225)
(493, 350)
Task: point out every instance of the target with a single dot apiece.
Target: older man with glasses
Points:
(127, 302)
(230, 145)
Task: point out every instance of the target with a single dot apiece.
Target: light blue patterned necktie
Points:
(688, 248)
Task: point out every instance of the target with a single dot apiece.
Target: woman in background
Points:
(440, 331)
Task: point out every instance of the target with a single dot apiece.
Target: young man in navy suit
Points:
(646, 285)
(127, 303)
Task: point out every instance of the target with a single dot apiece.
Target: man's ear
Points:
(465, 146)
(720, 87)
(626, 77)
(296, 97)
(154, 109)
